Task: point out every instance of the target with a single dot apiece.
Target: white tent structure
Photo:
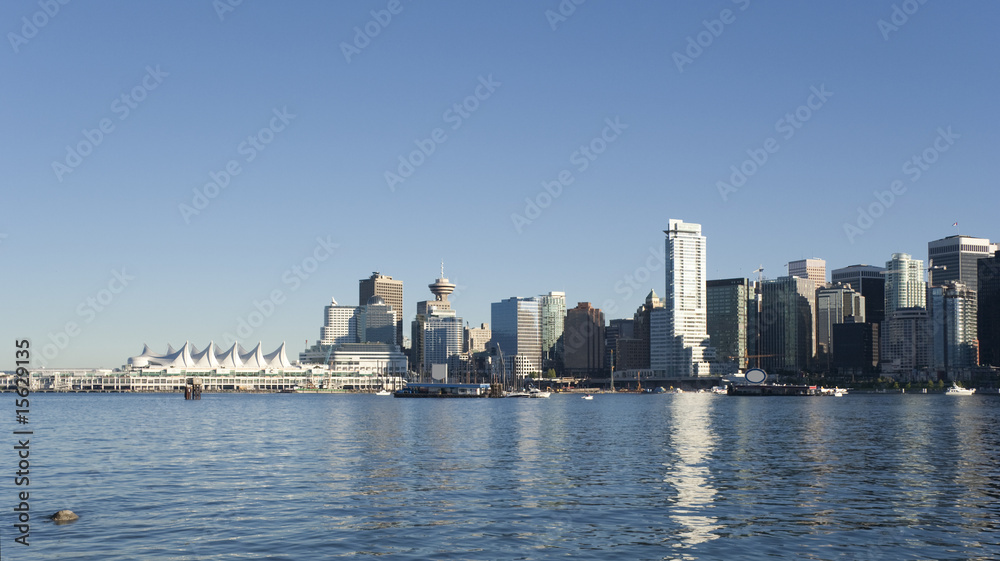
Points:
(210, 358)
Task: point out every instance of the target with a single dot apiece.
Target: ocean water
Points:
(689, 476)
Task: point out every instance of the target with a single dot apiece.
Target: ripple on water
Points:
(624, 476)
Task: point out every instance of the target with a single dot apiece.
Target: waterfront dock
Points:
(773, 389)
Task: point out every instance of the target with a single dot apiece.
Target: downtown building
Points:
(477, 338)
(988, 314)
(583, 342)
(788, 323)
(438, 334)
(632, 353)
(869, 280)
(618, 330)
(906, 342)
(952, 313)
(732, 311)
(835, 304)
(391, 292)
(553, 319)
(813, 269)
(359, 339)
(904, 283)
(905, 336)
(377, 322)
(956, 258)
(516, 330)
(686, 349)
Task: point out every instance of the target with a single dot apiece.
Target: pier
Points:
(770, 389)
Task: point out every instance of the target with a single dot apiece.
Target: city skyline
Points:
(164, 193)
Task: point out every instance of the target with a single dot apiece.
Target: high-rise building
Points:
(553, 306)
(905, 340)
(583, 341)
(989, 310)
(618, 330)
(812, 269)
(377, 322)
(788, 323)
(857, 347)
(688, 350)
(728, 315)
(437, 332)
(659, 337)
(516, 326)
(391, 292)
(477, 338)
(952, 310)
(632, 353)
(340, 324)
(954, 259)
(904, 283)
(835, 304)
(869, 280)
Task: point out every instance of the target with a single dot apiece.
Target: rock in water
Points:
(64, 516)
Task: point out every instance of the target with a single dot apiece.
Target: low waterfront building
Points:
(373, 359)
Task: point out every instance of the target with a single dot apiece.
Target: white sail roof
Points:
(189, 357)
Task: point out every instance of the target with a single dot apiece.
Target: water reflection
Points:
(693, 443)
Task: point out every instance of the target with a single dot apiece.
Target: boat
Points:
(383, 391)
(535, 392)
(955, 389)
(720, 390)
(839, 392)
(517, 393)
(588, 396)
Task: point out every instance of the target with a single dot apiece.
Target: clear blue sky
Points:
(197, 85)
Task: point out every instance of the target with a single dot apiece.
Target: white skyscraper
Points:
(688, 350)
(340, 325)
(904, 283)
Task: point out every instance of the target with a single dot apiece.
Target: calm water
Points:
(691, 476)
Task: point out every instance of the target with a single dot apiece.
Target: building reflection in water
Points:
(692, 442)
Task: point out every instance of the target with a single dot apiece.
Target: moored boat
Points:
(955, 389)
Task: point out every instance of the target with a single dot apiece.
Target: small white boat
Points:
(588, 396)
(535, 392)
(383, 391)
(956, 390)
(838, 392)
